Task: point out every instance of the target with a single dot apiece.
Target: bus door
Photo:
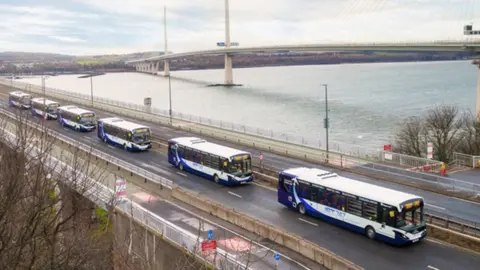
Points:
(100, 129)
(172, 153)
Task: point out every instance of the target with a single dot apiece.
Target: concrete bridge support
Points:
(166, 68)
(156, 66)
(478, 93)
(477, 63)
(228, 70)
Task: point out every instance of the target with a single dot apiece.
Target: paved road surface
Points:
(261, 203)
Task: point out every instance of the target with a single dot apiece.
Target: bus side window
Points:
(181, 151)
(215, 162)
(207, 160)
(188, 154)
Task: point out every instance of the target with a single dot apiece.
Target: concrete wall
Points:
(312, 251)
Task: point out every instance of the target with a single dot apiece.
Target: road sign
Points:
(429, 150)
(387, 147)
(121, 189)
(210, 234)
(209, 245)
(222, 44)
(276, 257)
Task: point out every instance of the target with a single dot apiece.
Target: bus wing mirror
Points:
(383, 224)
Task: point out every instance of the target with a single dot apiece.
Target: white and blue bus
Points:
(19, 99)
(216, 162)
(45, 108)
(380, 213)
(76, 118)
(118, 132)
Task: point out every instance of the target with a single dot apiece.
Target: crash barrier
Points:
(312, 251)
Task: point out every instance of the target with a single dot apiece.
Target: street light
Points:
(43, 89)
(170, 98)
(91, 88)
(326, 122)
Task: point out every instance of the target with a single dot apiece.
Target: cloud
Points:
(121, 26)
(67, 39)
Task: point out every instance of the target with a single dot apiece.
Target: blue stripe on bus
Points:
(397, 241)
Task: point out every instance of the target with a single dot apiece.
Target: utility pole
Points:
(91, 88)
(326, 122)
(166, 65)
(43, 89)
(170, 99)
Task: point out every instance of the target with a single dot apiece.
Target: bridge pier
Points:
(155, 67)
(477, 111)
(228, 70)
(166, 68)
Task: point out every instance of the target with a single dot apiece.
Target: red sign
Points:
(387, 147)
(209, 245)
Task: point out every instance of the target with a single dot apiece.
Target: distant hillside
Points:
(33, 57)
(27, 57)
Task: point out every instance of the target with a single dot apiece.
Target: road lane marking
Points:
(306, 221)
(182, 174)
(235, 194)
(431, 205)
(433, 268)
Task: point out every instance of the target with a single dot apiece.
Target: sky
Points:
(88, 27)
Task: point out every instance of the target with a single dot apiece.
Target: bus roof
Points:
(121, 123)
(74, 109)
(19, 94)
(208, 147)
(47, 101)
(354, 187)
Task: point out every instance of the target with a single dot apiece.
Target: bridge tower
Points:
(477, 63)
(166, 66)
(469, 31)
(228, 58)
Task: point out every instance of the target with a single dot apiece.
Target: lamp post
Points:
(170, 99)
(43, 89)
(326, 122)
(91, 88)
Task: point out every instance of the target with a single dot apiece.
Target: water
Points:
(367, 102)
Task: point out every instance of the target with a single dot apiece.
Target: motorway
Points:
(260, 202)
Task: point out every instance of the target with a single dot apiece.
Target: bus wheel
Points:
(180, 166)
(301, 209)
(125, 146)
(105, 139)
(215, 178)
(370, 232)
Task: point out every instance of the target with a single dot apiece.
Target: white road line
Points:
(235, 194)
(263, 186)
(467, 201)
(306, 221)
(66, 129)
(433, 268)
(111, 146)
(182, 174)
(431, 205)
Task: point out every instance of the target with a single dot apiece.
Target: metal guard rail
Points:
(133, 210)
(116, 161)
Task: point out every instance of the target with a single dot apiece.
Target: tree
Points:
(470, 134)
(446, 128)
(411, 139)
(40, 227)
